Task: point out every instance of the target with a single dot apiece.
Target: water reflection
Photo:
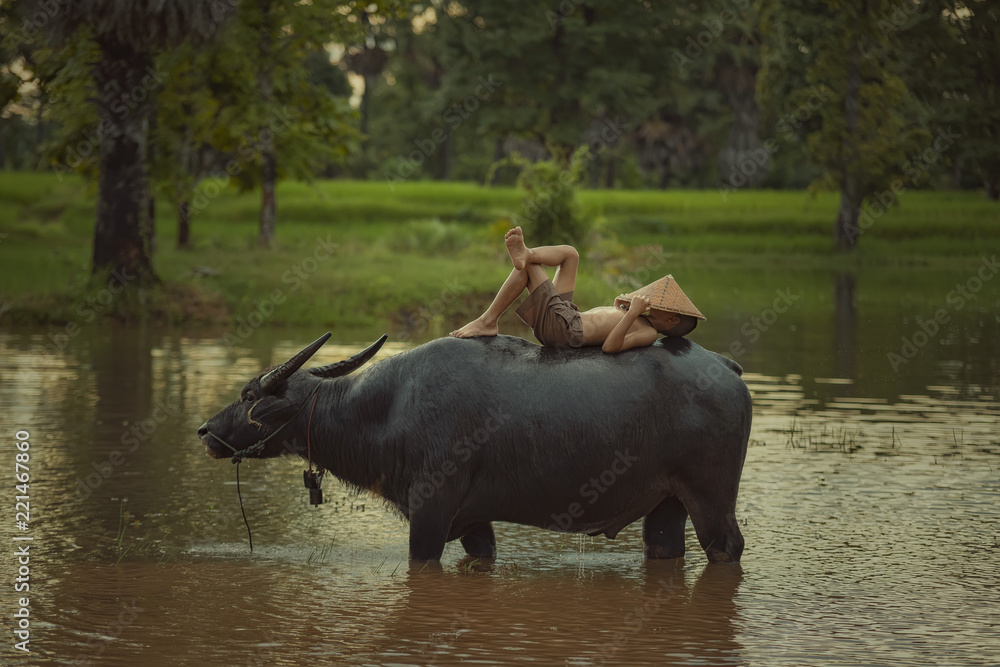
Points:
(659, 617)
(845, 323)
(868, 505)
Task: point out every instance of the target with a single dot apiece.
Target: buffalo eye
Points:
(248, 397)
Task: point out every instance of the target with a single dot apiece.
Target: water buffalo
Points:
(457, 433)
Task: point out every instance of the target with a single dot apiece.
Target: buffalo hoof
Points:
(716, 556)
(474, 564)
(728, 552)
(480, 542)
(664, 551)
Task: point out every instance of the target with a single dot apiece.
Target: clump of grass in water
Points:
(791, 435)
(959, 441)
(507, 569)
(470, 566)
(122, 523)
(829, 438)
(168, 555)
(140, 545)
(323, 553)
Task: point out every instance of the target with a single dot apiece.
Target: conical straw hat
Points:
(666, 294)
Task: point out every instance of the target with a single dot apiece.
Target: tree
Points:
(830, 73)
(551, 72)
(294, 123)
(956, 74)
(10, 80)
(188, 124)
(719, 54)
(127, 35)
(216, 127)
(673, 79)
(367, 60)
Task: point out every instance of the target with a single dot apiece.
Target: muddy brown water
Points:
(870, 505)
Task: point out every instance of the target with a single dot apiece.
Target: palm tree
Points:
(129, 33)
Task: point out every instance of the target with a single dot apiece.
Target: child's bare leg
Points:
(528, 272)
(565, 257)
(565, 278)
(514, 240)
(486, 324)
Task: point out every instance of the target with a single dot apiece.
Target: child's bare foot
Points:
(515, 246)
(476, 327)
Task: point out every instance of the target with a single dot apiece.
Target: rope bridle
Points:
(239, 455)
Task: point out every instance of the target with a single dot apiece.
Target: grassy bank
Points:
(353, 254)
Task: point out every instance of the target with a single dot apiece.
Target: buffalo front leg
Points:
(480, 541)
(428, 534)
(430, 523)
(663, 529)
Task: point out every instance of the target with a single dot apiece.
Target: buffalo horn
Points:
(349, 365)
(282, 372)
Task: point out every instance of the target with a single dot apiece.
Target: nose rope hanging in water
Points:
(240, 495)
(239, 455)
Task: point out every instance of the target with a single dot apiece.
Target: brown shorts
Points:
(554, 318)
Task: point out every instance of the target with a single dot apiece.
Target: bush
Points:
(549, 212)
(429, 238)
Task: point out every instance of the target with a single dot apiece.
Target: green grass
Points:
(420, 254)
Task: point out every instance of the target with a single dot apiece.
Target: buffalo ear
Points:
(282, 372)
(349, 365)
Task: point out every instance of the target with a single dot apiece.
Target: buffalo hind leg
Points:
(663, 529)
(718, 533)
(480, 542)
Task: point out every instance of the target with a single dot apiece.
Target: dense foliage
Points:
(156, 99)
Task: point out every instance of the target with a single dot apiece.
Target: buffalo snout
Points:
(212, 445)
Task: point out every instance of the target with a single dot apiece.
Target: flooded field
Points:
(870, 506)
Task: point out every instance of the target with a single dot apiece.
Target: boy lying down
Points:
(635, 319)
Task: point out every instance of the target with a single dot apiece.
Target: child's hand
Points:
(640, 304)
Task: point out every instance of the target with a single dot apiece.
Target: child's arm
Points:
(621, 338)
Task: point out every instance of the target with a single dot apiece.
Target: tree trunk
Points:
(364, 110)
(268, 207)
(744, 154)
(184, 226)
(40, 124)
(269, 167)
(150, 225)
(993, 187)
(956, 174)
(609, 171)
(121, 234)
(497, 156)
(150, 222)
(446, 155)
(665, 177)
(846, 231)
